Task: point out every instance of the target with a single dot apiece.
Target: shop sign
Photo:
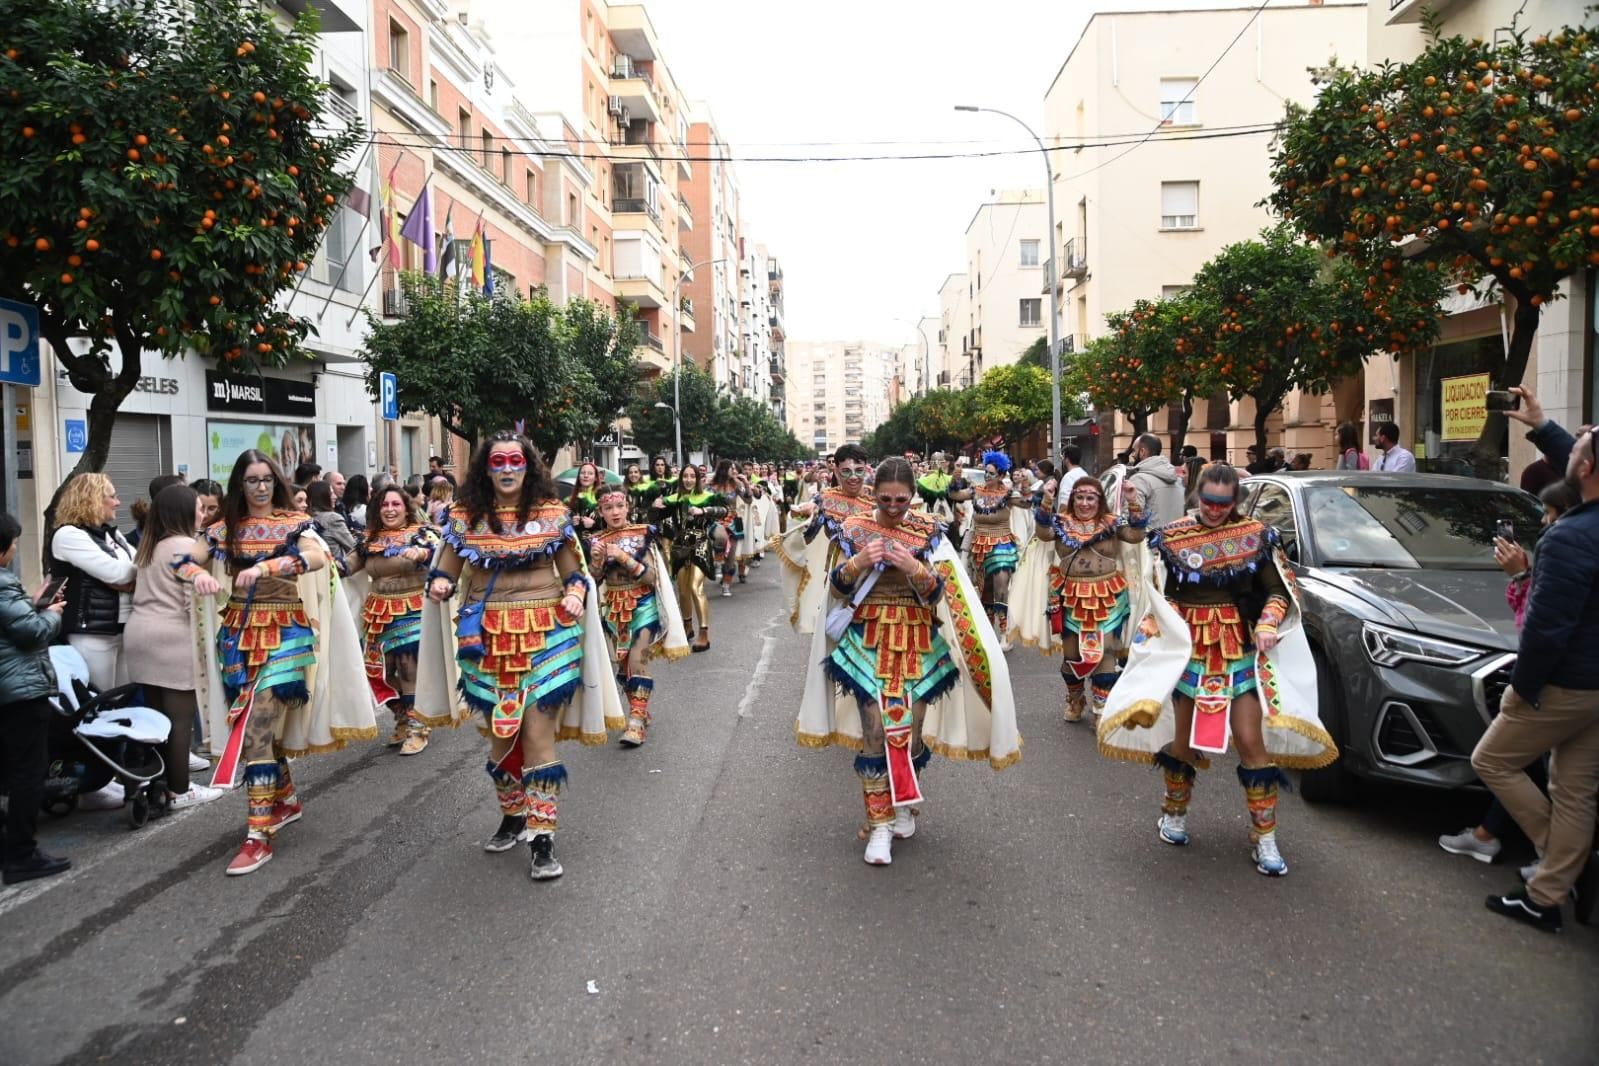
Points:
(259, 395)
(289, 446)
(1464, 412)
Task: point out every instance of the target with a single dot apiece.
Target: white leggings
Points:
(103, 653)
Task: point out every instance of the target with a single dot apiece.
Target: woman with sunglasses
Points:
(636, 605)
(899, 590)
(1226, 664)
(998, 535)
(804, 553)
(282, 666)
(528, 635)
(1079, 592)
(689, 516)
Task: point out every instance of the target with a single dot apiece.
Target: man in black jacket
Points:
(1552, 704)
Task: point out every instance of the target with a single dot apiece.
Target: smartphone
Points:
(1506, 530)
(52, 591)
(1501, 400)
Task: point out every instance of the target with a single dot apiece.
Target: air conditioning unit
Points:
(624, 116)
(614, 105)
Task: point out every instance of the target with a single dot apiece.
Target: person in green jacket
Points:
(27, 682)
(687, 516)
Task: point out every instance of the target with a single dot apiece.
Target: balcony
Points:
(685, 216)
(775, 322)
(632, 31)
(1074, 263)
(633, 94)
(395, 304)
(775, 369)
(642, 290)
(685, 314)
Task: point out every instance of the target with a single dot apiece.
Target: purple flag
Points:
(488, 268)
(418, 229)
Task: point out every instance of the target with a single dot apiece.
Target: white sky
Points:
(866, 245)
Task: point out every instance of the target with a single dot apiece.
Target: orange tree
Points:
(1138, 368)
(1476, 163)
(168, 174)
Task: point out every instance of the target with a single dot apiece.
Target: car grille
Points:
(1398, 737)
(1493, 688)
(1435, 732)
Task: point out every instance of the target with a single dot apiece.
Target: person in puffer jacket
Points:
(27, 681)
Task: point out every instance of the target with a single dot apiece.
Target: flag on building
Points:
(418, 228)
(448, 267)
(488, 268)
(479, 255)
(389, 223)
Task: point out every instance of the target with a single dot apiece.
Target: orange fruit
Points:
(155, 253)
(91, 245)
(42, 244)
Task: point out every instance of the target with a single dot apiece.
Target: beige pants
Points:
(1560, 826)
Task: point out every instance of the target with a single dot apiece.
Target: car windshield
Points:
(1410, 527)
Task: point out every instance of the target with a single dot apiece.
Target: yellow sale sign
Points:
(1463, 409)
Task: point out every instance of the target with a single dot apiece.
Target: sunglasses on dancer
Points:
(1210, 500)
(508, 462)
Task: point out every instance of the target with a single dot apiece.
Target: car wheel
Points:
(1330, 784)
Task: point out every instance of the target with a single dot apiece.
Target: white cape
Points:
(759, 515)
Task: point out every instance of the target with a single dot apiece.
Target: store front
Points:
(1449, 386)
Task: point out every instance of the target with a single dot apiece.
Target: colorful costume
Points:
(805, 554)
(758, 517)
(999, 532)
(517, 650)
(1073, 592)
(281, 676)
(1224, 585)
(917, 670)
(639, 612)
(392, 590)
(692, 551)
(640, 496)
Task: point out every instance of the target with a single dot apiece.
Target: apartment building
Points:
(920, 360)
(1006, 245)
(954, 332)
(1137, 223)
(763, 322)
(713, 296)
(777, 365)
(1560, 370)
(839, 390)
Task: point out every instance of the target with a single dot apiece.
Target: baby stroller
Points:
(103, 736)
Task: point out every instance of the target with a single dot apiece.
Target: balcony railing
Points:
(1074, 263)
(395, 304)
(635, 205)
(655, 342)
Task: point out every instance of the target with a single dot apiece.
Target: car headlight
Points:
(1390, 647)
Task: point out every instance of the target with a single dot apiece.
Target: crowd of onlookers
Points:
(110, 596)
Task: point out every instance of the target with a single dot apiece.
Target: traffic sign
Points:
(19, 343)
(389, 396)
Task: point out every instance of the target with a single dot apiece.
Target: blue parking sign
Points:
(389, 396)
(77, 435)
(19, 343)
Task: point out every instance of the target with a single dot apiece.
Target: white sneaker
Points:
(1268, 860)
(1465, 842)
(727, 590)
(880, 846)
(198, 763)
(904, 823)
(1173, 828)
(109, 798)
(196, 795)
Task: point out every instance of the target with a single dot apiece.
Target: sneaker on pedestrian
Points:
(109, 798)
(286, 814)
(256, 853)
(33, 866)
(1268, 860)
(196, 795)
(544, 867)
(904, 823)
(197, 763)
(512, 829)
(1519, 905)
(880, 846)
(1173, 828)
(1466, 842)
(415, 743)
(727, 590)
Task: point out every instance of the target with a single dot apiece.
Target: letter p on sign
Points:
(389, 396)
(19, 343)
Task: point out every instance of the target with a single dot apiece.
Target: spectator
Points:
(1301, 461)
(337, 484)
(356, 495)
(1189, 452)
(1350, 457)
(306, 473)
(97, 562)
(441, 497)
(1394, 458)
(301, 501)
(1539, 473)
(416, 485)
(210, 502)
(1254, 464)
(27, 681)
(141, 508)
(1071, 472)
(335, 531)
(1156, 481)
(159, 644)
(1550, 704)
(436, 469)
(1192, 467)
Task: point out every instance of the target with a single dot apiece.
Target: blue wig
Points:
(1000, 460)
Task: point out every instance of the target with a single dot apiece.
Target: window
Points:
(1171, 292)
(433, 94)
(532, 189)
(487, 158)
(571, 209)
(399, 49)
(1029, 253)
(1177, 102)
(505, 165)
(1179, 205)
(1031, 311)
(463, 126)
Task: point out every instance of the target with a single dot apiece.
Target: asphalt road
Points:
(716, 899)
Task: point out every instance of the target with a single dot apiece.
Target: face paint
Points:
(613, 509)
(507, 468)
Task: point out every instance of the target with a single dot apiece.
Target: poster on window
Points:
(1463, 408)
(288, 445)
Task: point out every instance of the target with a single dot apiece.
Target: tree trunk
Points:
(1485, 457)
(1185, 414)
(1140, 422)
(1262, 413)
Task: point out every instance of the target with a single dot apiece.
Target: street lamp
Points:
(677, 428)
(1054, 299)
(677, 349)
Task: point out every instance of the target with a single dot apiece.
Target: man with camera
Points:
(1552, 704)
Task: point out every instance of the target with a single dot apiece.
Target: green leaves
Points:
(726, 427)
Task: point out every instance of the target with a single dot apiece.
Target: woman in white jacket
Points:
(97, 562)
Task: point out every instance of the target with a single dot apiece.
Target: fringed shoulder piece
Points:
(497, 543)
(256, 540)
(1195, 554)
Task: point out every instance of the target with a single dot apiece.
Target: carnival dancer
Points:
(689, 517)
(388, 572)
(790, 494)
(933, 489)
(641, 490)
(529, 643)
(583, 502)
(803, 549)
(730, 484)
(637, 605)
(884, 679)
(282, 674)
(758, 521)
(1000, 528)
(1075, 591)
(1226, 661)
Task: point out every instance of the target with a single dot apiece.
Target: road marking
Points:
(762, 665)
(12, 898)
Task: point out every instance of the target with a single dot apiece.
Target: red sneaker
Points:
(255, 854)
(284, 813)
